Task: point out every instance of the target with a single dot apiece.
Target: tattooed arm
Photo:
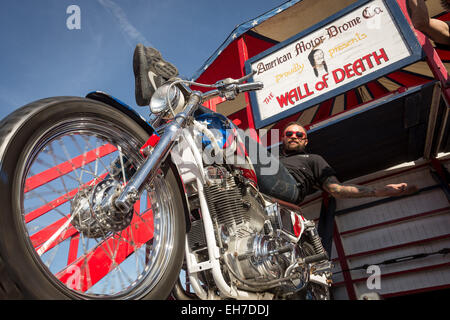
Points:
(435, 29)
(340, 190)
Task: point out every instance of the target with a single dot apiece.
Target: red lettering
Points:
(367, 58)
(307, 92)
(378, 58)
(283, 100)
(358, 67)
(348, 70)
(293, 94)
(338, 78)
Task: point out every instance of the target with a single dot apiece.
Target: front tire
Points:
(54, 153)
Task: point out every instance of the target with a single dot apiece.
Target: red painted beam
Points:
(243, 57)
(398, 246)
(96, 264)
(399, 273)
(344, 265)
(393, 221)
(40, 237)
(421, 290)
(43, 236)
(66, 167)
(60, 200)
(73, 248)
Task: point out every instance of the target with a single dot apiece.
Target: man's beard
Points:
(445, 5)
(294, 148)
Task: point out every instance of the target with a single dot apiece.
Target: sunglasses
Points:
(298, 134)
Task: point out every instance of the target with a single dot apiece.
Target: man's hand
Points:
(393, 190)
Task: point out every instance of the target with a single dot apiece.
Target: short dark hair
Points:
(293, 123)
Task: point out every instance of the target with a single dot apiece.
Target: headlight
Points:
(158, 103)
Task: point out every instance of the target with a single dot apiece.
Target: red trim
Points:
(398, 273)
(376, 89)
(421, 290)
(66, 167)
(351, 100)
(445, 16)
(151, 142)
(43, 235)
(341, 253)
(243, 57)
(407, 79)
(50, 206)
(257, 44)
(443, 54)
(213, 102)
(377, 225)
(73, 249)
(324, 111)
(109, 254)
(40, 237)
(59, 201)
(398, 246)
(344, 265)
(239, 118)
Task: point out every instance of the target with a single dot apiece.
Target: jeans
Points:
(326, 223)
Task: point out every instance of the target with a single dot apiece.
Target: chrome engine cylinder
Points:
(225, 202)
(247, 230)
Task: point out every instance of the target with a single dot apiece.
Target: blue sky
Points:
(41, 57)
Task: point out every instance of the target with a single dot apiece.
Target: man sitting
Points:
(312, 172)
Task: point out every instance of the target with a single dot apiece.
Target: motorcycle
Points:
(98, 203)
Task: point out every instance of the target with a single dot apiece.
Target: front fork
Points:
(147, 171)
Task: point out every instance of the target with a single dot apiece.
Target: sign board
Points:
(359, 44)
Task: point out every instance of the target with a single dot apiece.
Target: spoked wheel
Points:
(62, 162)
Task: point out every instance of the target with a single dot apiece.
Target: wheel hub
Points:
(94, 216)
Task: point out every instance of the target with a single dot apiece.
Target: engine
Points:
(249, 231)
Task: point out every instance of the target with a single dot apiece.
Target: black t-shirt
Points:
(310, 170)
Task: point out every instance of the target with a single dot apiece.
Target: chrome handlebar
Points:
(227, 88)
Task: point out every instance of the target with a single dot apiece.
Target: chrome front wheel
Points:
(73, 155)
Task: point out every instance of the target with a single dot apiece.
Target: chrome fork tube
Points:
(147, 172)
